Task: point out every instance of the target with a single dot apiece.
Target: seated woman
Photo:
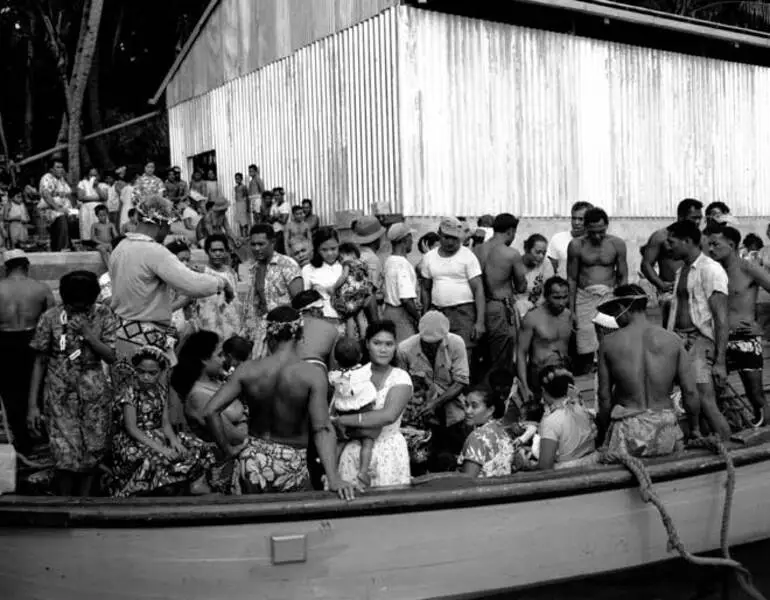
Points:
(567, 430)
(196, 378)
(490, 448)
(72, 341)
(148, 455)
(390, 457)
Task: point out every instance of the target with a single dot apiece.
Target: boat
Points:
(445, 538)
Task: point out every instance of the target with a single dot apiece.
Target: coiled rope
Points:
(639, 471)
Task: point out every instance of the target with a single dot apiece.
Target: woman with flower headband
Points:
(148, 454)
(72, 341)
(144, 275)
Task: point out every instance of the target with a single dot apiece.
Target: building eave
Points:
(212, 6)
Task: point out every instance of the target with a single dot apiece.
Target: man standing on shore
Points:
(745, 351)
(504, 276)
(597, 263)
(22, 301)
(699, 316)
(655, 252)
(557, 247)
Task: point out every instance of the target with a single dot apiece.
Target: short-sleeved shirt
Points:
(557, 250)
(191, 213)
(491, 447)
(323, 280)
(275, 211)
(572, 427)
(705, 277)
(373, 266)
(400, 280)
(451, 364)
(451, 276)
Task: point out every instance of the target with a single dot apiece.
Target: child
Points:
(354, 393)
(236, 350)
(132, 223)
(353, 291)
(103, 233)
(16, 218)
(297, 228)
(242, 205)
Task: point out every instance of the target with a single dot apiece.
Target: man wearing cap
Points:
(367, 233)
(452, 284)
(638, 367)
(216, 221)
(22, 301)
(504, 277)
(400, 283)
(143, 273)
(176, 188)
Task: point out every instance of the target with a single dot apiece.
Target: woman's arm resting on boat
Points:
(604, 396)
(129, 422)
(690, 397)
(470, 468)
(395, 403)
(324, 435)
(547, 454)
(33, 411)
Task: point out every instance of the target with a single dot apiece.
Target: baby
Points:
(103, 233)
(354, 393)
(353, 291)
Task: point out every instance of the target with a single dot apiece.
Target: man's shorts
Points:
(744, 353)
(701, 351)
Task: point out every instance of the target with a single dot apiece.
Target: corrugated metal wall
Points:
(495, 117)
(321, 123)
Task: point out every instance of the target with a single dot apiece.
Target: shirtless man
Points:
(744, 343)
(638, 367)
(545, 335)
(656, 252)
(596, 263)
(285, 396)
(22, 301)
(320, 336)
(504, 275)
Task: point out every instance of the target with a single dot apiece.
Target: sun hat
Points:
(452, 227)
(398, 231)
(367, 229)
(433, 327)
(220, 205)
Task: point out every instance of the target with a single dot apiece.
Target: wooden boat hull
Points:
(398, 545)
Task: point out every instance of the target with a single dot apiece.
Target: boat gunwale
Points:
(56, 512)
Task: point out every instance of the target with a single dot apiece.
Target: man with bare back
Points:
(22, 301)
(638, 367)
(656, 252)
(596, 263)
(544, 339)
(504, 275)
(744, 351)
(319, 336)
(285, 396)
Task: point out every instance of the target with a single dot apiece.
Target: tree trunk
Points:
(88, 38)
(95, 115)
(28, 87)
(58, 51)
(4, 148)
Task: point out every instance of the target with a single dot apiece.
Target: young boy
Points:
(16, 218)
(242, 206)
(132, 224)
(297, 227)
(103, 233)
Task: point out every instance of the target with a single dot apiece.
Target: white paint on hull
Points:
(399, 556)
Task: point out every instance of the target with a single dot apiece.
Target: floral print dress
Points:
(76, 391)
(139, 469)
(490, 446)
(214, 313)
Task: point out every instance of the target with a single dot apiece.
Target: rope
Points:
(637, 468)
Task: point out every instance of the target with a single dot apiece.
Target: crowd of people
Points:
(346, 366)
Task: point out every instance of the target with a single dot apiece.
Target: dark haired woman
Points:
(72, 341)
(324, 271)
(567, 430)
(539, 270)
(148, 454)
(390, 456)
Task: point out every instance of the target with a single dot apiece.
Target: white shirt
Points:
(190, 213)
(451, 276)
(88, 187)
(400, 280)
(557, 250)
(275, 211)
(323, 280)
